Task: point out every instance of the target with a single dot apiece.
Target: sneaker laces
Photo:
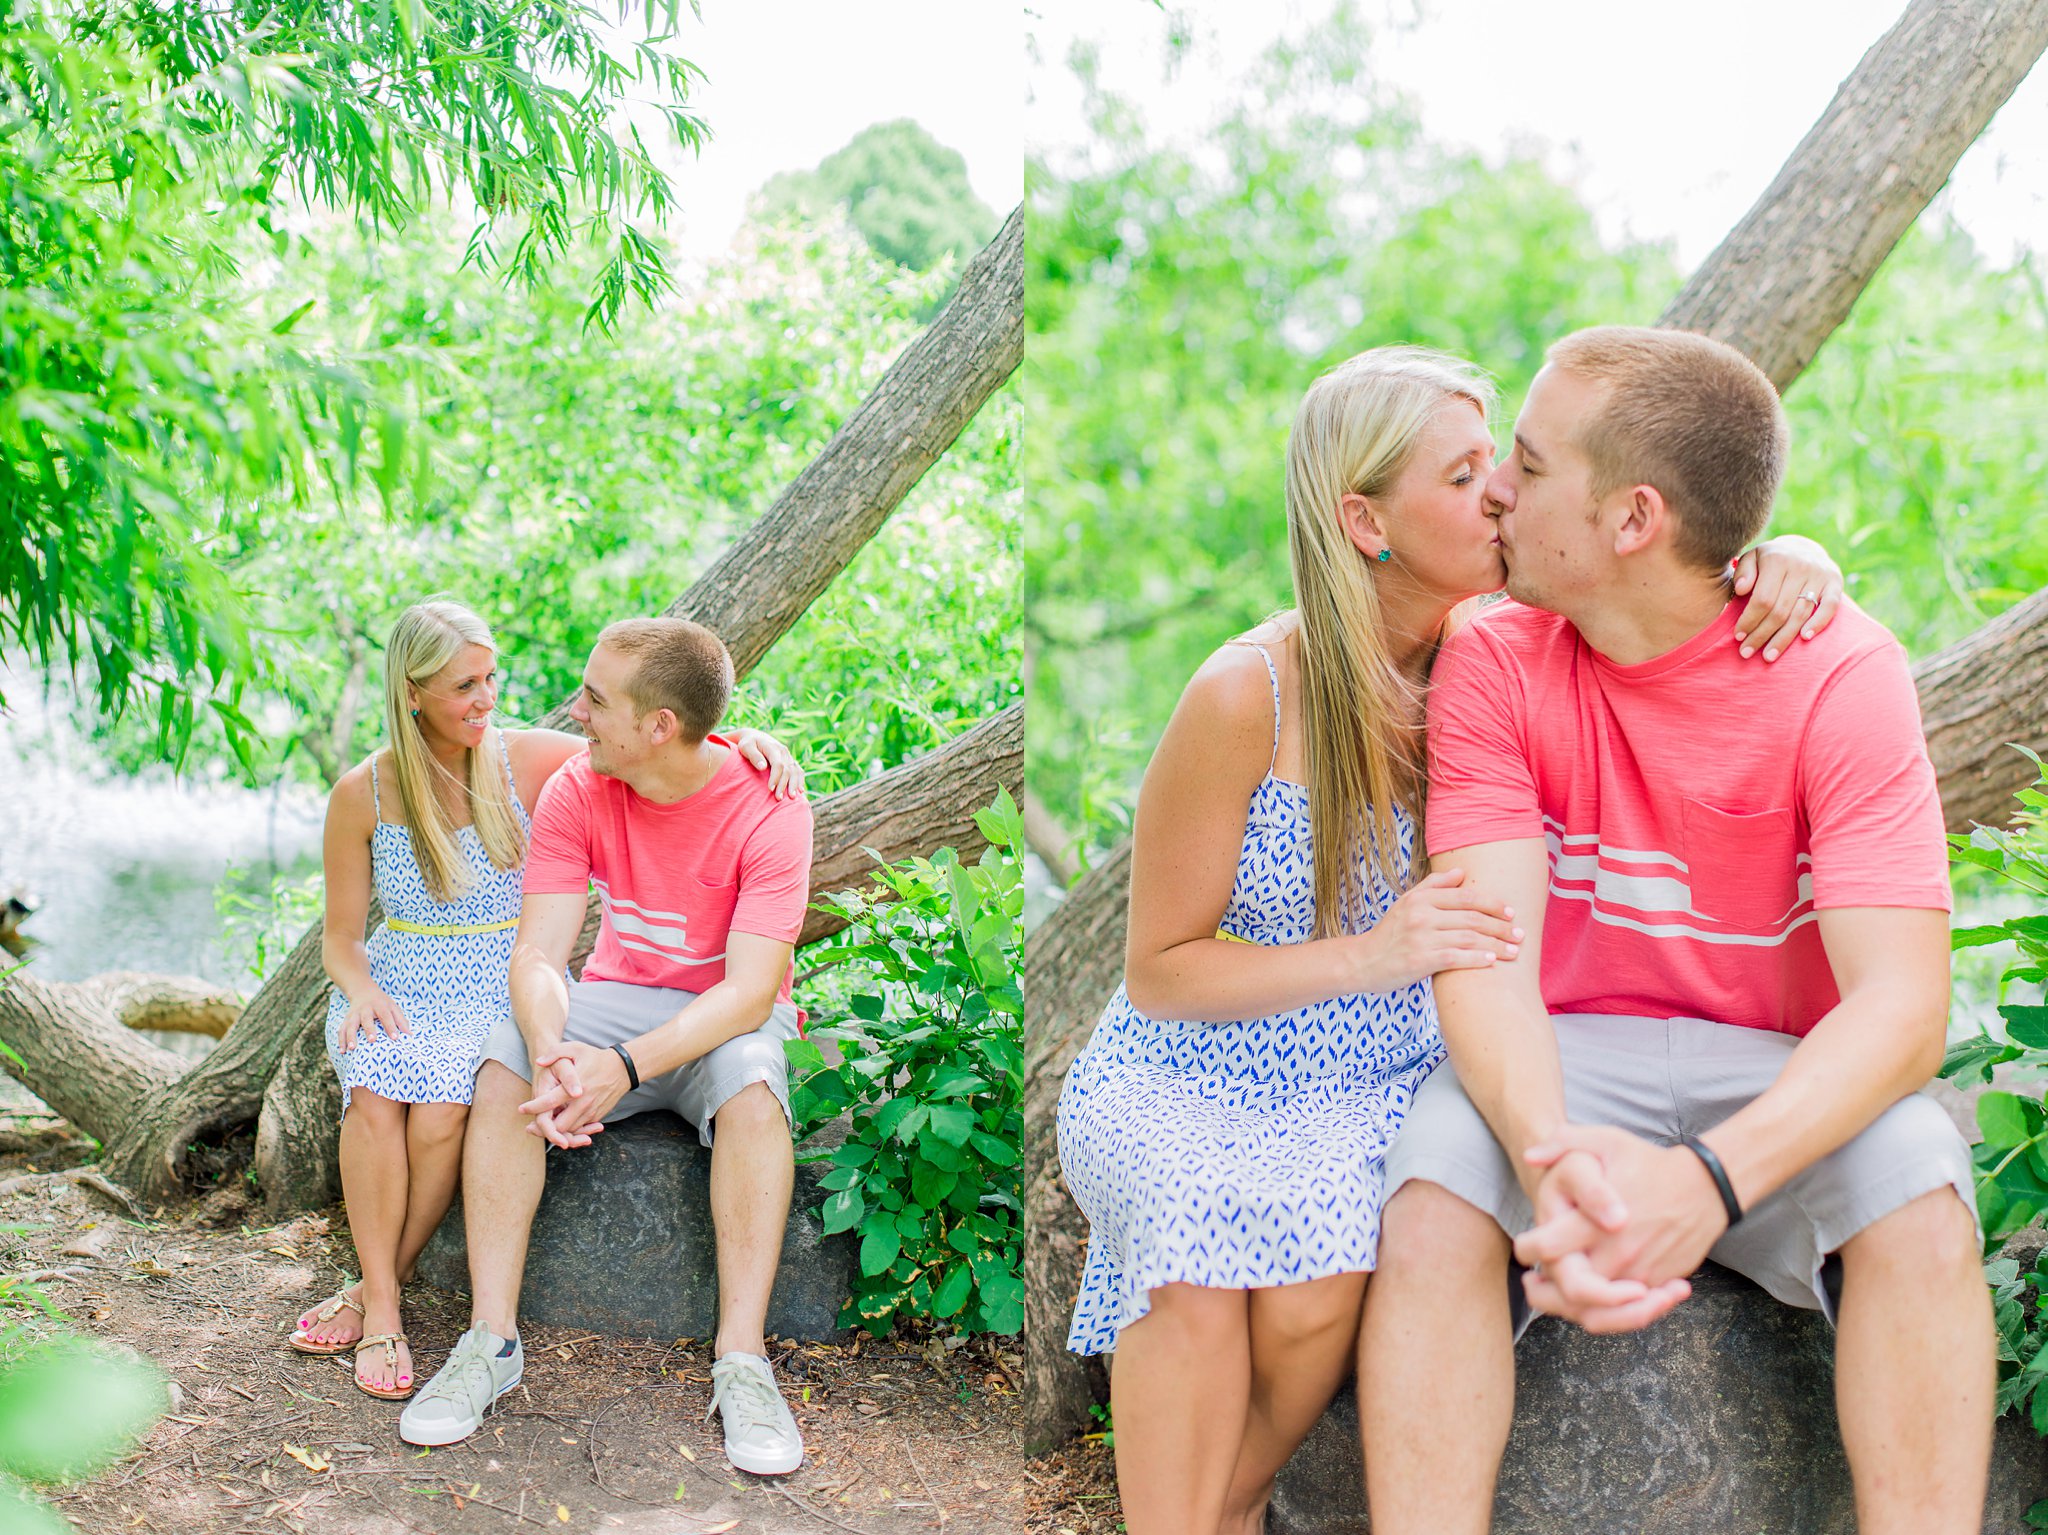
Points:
(741, 1393)
(466, 1369)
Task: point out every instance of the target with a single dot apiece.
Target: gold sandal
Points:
(329, 1310)
(390, 1341)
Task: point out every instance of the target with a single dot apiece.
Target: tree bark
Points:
(1776, 288)
(914, 809)
(76, 1054)
(173, 1004)
(1988, 689)
(750, 596)
(1074, 960)
(1786, 276)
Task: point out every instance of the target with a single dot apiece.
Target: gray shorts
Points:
(606, 1013)
(1663, 1078)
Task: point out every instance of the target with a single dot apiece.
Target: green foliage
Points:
(562, 477)
(905, 192)
(2012, 1158)
(149, 153)
(68, 1407)
(2019, 1302)
(1920, 439)
(931, 1076)
(257, 930)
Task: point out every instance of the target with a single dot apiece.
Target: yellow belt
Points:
(1234, 938)
(449, 932)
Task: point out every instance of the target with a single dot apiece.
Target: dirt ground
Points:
(604, 1433)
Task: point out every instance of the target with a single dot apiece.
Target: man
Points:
(1713, 1047)
(684, 1005)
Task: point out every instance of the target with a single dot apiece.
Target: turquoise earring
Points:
(1383, 556)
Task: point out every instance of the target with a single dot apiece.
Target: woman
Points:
(1224, 1128)
(437, 823)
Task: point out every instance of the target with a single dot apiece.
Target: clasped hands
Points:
(574, 1087)
(1620, 1225)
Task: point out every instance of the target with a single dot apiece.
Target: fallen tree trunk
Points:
(802, 542)
(1988, 689)
(1776, 287)
(173, 1004)
(75, 1054)
(914, 809)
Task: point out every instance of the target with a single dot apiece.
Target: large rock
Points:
(1719, 1418)
(622, 1243)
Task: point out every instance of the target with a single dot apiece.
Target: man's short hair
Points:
(682, 667)
(1689, 415)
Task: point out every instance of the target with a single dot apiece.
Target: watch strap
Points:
(633, 1073)
(1717, 1172)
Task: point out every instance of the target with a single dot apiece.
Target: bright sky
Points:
(1670, 120)
(792, 81)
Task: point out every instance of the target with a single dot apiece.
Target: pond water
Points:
(126, 869)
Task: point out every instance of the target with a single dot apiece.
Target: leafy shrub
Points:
(931, 1075)
(2012, 1161)
(257, 930)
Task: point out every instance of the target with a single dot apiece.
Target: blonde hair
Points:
(1689, 415)
(427, 636)
(1354, 433)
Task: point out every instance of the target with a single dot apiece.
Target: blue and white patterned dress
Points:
(1242, 1155)
(452, 986)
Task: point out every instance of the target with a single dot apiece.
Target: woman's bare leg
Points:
(1179, 1389)
(433, 1141)
(1302, 1341)
(376, 1183)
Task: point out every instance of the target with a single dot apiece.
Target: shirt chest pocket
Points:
(711, 911)
(1743, 866)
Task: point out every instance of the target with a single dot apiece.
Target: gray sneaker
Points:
(760, 1435)
(451, 1406)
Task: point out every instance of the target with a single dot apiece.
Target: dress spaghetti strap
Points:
(1272, 672)
(377, 804)
(505, 755)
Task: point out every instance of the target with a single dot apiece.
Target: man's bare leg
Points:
(1436, 1366)
(753, 1167)
(502, 1172)
(1179, 1388)
(1915, 1371)
(1302, 1337)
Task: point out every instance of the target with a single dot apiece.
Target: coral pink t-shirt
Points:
(1699, 809)
(674, 879)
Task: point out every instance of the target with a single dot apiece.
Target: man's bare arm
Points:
(1494, 1021)
(1882, 1041)
(548, 925)
(592, 1081)
(739, 1004)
